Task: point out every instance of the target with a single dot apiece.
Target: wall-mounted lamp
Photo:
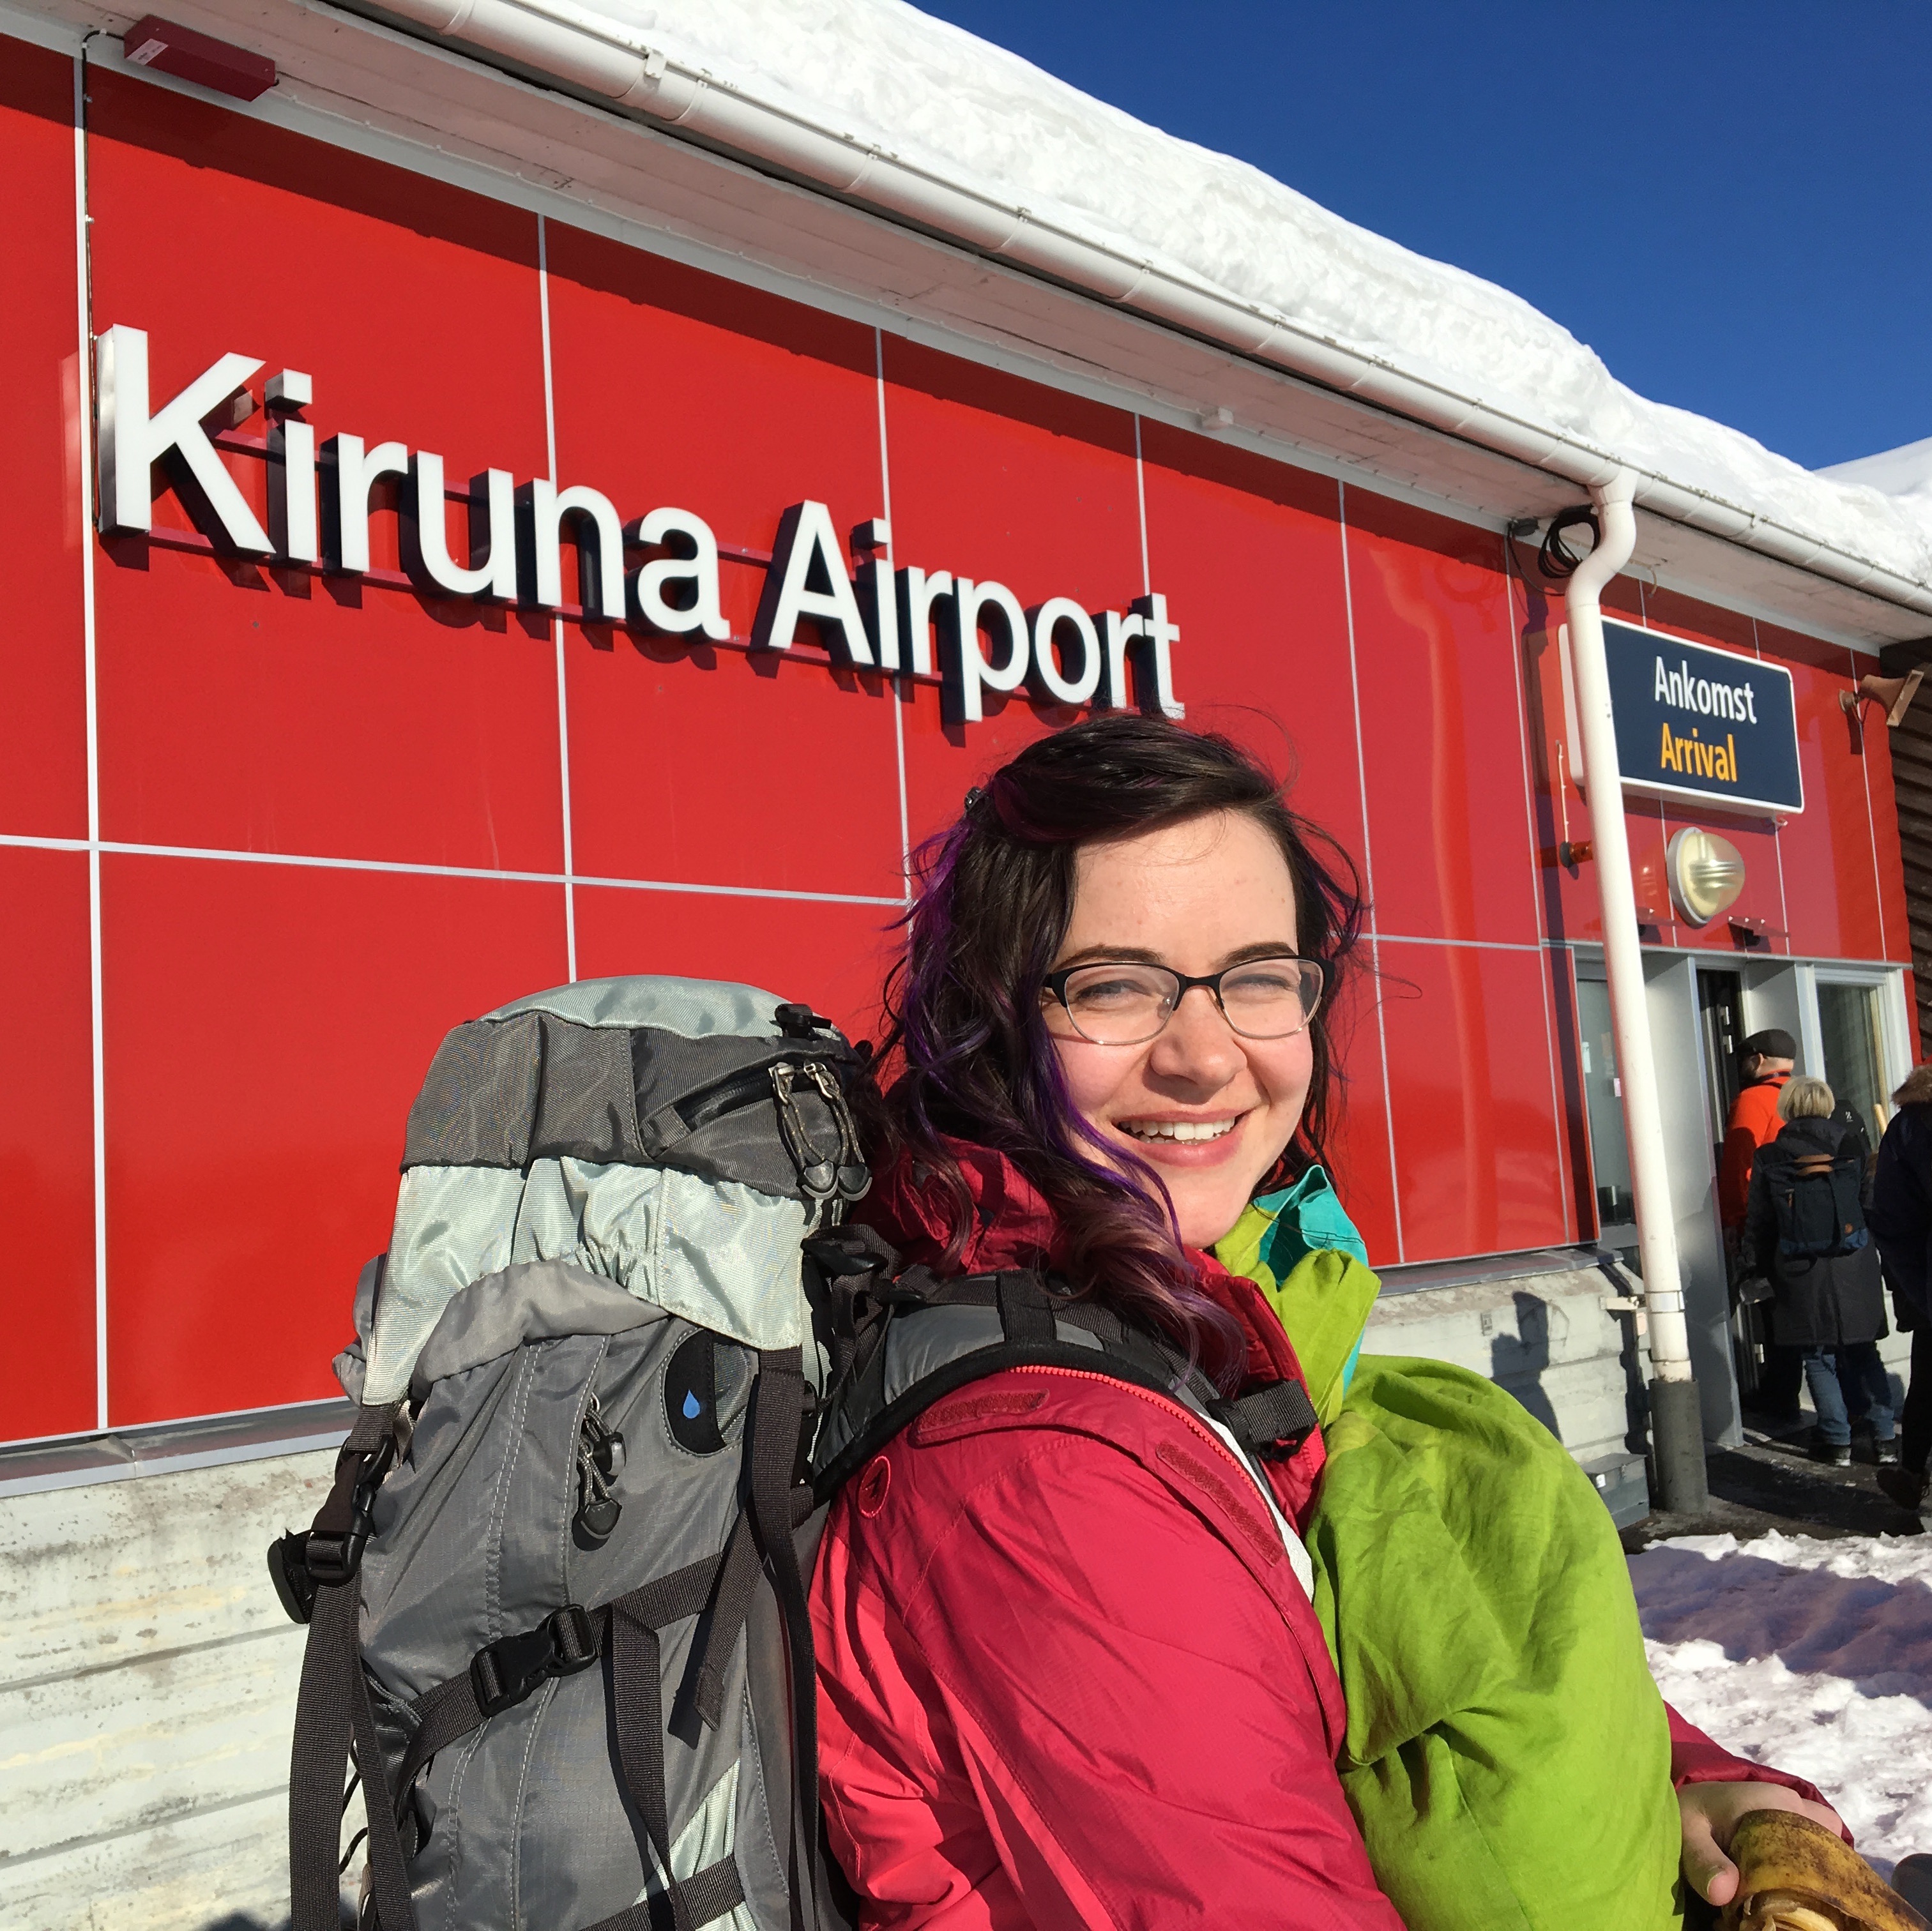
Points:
(1895, 693)
(1706, 874)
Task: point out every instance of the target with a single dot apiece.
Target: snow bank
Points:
(937, 98)
(1813, 1656)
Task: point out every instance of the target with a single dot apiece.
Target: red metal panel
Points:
(1251, 552)
(1831, 886)
(831, 955)
(943, 762)
(273, 710)
(1442, 730)
(675, 388)
(1579, 1197)
(706, 766)
(267, 1028)
(1883, 800)
(43, 687)
(1358, 1140)
(1003, 481)
(47, 1143)
(1476, 1136)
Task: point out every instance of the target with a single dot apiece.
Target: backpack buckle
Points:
(330, 1558)
(504, 1672)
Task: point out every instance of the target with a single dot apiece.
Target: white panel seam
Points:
(405, 868)
(1140, 497)
(1368, 868)
(97, 1008)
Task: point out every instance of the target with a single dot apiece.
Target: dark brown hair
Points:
(966, 1050)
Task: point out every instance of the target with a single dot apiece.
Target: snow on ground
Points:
(1813, 1656)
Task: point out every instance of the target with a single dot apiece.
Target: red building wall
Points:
(331, 819)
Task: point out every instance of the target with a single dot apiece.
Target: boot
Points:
(1905, 1486)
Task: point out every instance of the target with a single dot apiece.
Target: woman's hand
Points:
(1710, 1811)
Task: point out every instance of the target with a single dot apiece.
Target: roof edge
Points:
(585, 50)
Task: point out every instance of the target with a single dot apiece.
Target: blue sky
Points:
(1732, 203)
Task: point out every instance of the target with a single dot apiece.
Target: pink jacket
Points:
(1067, 1677)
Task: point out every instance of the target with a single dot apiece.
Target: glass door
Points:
(1850, 1031)
(1603, 1103)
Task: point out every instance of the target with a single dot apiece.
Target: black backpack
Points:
(1819, 1214)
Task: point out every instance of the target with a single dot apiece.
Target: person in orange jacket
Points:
(1766, 1060)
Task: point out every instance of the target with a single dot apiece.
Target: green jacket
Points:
(1507, 1755)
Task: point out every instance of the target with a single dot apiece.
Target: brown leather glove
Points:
(1795, 1876)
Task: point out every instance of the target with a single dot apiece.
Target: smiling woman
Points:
(1097, 1652)
(1130, 842)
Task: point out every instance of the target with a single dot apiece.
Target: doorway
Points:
(1720, 1007)
(1721, 1026)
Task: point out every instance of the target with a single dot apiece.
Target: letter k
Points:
(132, 441)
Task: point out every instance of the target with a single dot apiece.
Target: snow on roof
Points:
(1906, 471)
(940, 99)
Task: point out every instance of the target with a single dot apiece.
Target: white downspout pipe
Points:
(1676, 1418)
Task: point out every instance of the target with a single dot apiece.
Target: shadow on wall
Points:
(1516, 1361)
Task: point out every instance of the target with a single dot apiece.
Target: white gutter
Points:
(586, 50)
(1676, 1418)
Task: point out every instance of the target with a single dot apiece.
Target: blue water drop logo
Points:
(692, 1408)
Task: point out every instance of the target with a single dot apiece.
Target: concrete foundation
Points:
(147, 1687)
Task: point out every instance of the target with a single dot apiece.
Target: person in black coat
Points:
(1900, 1219)
(1832, 1307)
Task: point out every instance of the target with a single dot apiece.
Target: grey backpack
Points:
(556, 1599)
(619, 1356)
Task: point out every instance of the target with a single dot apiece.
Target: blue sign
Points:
(1693, 722)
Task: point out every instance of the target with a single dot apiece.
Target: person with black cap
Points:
(1766, 1061)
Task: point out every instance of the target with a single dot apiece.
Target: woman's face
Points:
(1197, 896)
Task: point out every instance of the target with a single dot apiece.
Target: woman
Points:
(1066, 1678)
(1825, 1303)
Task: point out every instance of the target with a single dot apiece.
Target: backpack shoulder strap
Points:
(958, 1332)
(320, 1569)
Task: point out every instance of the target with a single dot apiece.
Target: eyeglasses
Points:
(1117, 1004)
